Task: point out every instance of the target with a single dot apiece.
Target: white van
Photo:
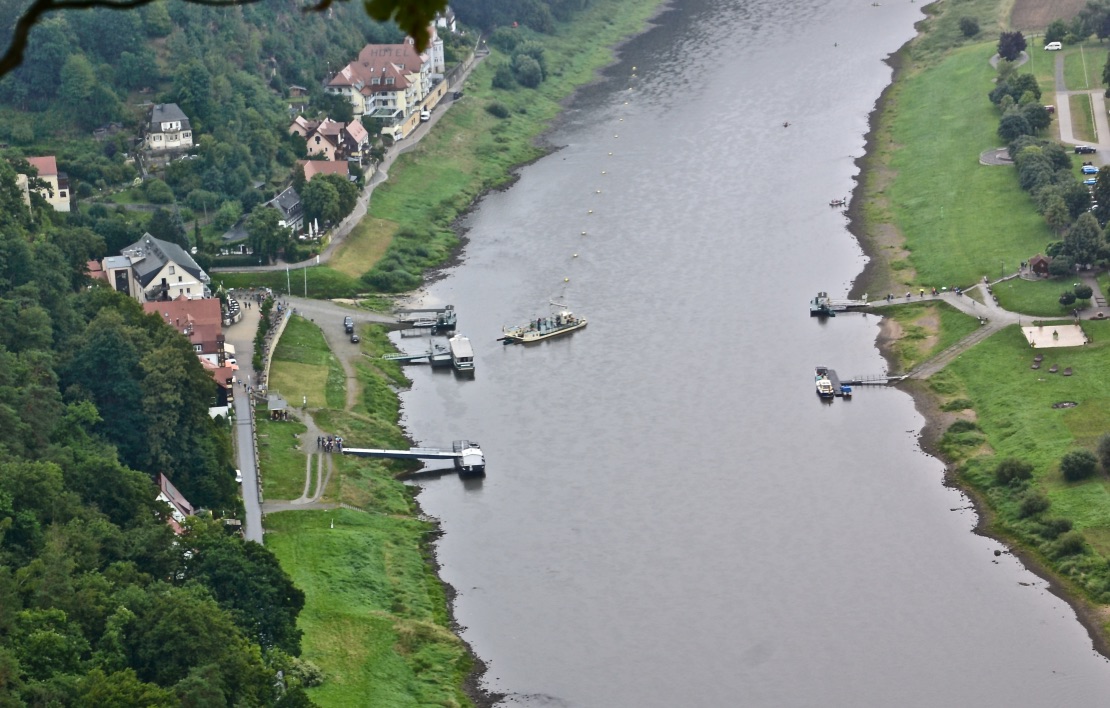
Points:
(1053, 47)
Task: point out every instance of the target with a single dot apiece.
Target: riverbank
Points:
(378, 620)
(989, 405)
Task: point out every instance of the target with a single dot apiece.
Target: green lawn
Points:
(279, 456)
(1014, 407)
(1083, 66)
(1036, 298)
(304, 368)
(375, 615)
(1082, 117)
(322, 282)
(960, 219)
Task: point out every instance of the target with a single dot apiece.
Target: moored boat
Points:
(824, 385)
(564, 322)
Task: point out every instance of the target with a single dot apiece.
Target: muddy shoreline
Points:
(877, 274)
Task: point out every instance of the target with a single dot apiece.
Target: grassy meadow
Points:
(941, 121)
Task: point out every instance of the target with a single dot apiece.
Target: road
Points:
(241, 336)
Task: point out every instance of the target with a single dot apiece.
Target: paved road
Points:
(241, 336)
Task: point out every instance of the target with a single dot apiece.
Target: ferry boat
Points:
(824, 385)
(462, 354)
(564, 322)
(821, 306)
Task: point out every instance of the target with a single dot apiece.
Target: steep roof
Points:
(288, 202)
(324, 167)
(149, 255)
(46, 165)
(168, 113)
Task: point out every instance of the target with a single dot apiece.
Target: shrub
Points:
(1051, 529)
(1013, 470)
(1078, 465)
(1032, 503)
(962, 426)
(969, 26)
(1104, 452)
(1068, 544)
(957, 404)
(503, 78)
(498, 110)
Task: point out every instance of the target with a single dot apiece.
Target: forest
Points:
(100, 603)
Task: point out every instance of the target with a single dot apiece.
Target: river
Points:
(671, 517)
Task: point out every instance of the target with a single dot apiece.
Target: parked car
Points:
(1091, 181)
(1084, 150)
(1089, 170)
(354, 339)
(1053, 47)
(348, 324)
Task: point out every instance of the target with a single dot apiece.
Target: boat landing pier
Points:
(467, 455)
(843, 387)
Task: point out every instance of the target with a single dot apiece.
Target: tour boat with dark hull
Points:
(541, 328)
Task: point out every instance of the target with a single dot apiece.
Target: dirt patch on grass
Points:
(1037, 14)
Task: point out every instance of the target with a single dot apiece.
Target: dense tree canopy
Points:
(100, 604)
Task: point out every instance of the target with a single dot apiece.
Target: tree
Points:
(1083, 239)
(1056, 32)
(158, 192)
(1012, 470)
(1011, 45)
(1013, 125)
(167, 225)
(321, 201)
(265, 235)
(1078, 465)
(414, 17)
(969, 26)
(1101, 194)
(527, 71)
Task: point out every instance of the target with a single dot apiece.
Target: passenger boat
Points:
(824, 385)
(462, 354)
(564, 322)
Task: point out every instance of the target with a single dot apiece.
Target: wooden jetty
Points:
(467, 455)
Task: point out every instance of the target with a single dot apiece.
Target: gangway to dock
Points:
(437, 319)
(467, 455)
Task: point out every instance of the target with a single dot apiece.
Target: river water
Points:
(671, 517)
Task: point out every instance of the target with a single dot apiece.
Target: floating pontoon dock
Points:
(468, 456)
